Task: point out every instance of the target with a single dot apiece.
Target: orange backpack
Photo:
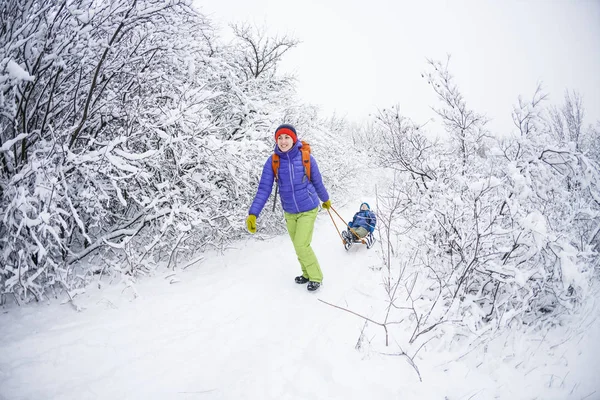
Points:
(305, 150)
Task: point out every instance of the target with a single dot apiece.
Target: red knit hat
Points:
(286, 129)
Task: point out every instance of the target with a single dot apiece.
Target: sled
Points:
(349, 236)
(350, 239)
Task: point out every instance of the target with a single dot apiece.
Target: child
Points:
(362, 224)
(299, 199)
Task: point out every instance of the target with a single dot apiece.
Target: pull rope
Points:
(362, 240)
(334, 224)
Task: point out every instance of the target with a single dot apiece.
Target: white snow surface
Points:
(236, 326)
(15, 71)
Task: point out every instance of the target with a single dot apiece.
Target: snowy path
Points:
(237, 327)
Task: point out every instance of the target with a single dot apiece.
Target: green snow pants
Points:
(300, 227)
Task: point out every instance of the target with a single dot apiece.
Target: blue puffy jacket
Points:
(297, 193)
(364, 218)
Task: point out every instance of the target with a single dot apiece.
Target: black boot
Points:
(312, 286)
(346, 236)
(347, 239)
(301, 279)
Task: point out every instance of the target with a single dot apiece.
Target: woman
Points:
(299, 199)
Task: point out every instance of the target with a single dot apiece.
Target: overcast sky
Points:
(360, 55)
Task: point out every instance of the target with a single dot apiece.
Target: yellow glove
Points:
(251, 223)
(327, 205)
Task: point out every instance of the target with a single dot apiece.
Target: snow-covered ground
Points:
(236, 326)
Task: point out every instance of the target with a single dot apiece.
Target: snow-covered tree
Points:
(497, 231)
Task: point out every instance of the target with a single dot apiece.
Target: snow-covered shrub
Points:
(81, 159)
(497, 231)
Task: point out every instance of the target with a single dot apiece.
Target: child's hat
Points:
(366, 204)
(286, 129)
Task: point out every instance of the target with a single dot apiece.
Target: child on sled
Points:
(361, 227)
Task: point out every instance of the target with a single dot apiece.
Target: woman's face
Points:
(284, 142)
